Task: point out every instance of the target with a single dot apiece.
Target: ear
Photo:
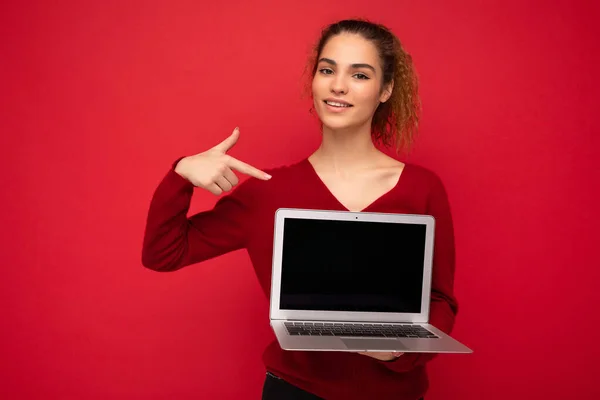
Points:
(386, 93)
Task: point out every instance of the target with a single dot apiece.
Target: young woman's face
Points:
(347, 87)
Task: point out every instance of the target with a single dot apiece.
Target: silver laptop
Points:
(354, 281)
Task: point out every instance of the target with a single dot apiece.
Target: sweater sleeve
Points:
(173, 240)
(443, 306)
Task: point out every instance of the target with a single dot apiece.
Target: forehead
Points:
(350, 49)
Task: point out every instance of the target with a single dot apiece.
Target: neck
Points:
(346, 149)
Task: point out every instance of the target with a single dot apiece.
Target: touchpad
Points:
(374, 344)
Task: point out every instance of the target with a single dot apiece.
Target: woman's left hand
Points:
(382, 356)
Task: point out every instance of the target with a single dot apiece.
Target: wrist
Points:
(179, 167)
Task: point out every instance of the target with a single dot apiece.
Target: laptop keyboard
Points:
(358, 330)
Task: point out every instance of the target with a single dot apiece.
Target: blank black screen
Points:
(352, 266)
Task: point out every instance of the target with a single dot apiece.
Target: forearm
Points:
(167, 224)
(173, 240)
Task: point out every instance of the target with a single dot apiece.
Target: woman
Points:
(364, 90)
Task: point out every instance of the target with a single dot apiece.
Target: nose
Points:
(339, 85)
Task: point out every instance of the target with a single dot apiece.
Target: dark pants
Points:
(276, 388)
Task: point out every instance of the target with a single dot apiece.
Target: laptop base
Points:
(441, 344)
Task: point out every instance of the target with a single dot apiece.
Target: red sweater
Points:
(244, 219)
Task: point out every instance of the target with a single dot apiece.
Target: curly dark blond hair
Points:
(396, 121)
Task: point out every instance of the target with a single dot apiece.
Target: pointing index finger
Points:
(248, 169)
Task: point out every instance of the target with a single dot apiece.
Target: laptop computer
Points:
(354, 281)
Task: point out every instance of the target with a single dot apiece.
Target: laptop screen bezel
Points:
(276, 313)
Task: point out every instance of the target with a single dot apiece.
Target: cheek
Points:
(369, 95)
(317, 86)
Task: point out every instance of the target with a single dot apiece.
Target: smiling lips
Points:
(337, 105)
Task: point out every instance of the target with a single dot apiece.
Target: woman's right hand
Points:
(213, 169)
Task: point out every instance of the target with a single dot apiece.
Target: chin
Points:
(332, 124)
(338, 122)
(335, 122)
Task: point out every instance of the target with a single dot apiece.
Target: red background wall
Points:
(99, 99)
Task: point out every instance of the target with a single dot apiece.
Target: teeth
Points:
(333, 103)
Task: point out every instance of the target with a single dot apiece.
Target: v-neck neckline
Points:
(339, 203)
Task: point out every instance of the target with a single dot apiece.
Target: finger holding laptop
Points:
(382, 356)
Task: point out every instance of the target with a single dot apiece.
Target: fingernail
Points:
(267, 176)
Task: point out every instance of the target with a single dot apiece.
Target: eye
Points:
(361, 76)
(326, 71)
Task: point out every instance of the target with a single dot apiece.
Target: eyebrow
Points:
(359, 65)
